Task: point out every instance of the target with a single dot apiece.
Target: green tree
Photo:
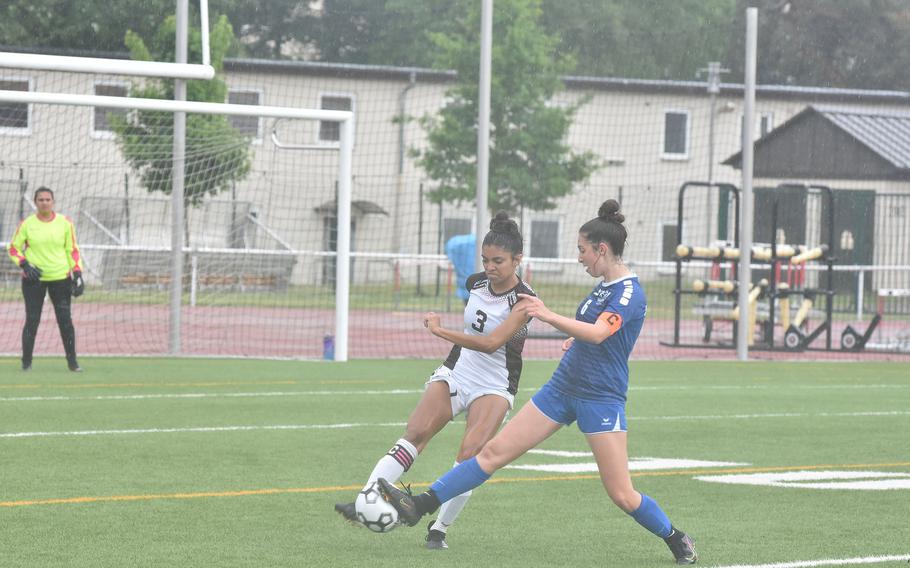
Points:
(530, 163)
(653, 39)
(217, 154)
(382, 32)
(268, 27)
(861, 44)
(95, 25)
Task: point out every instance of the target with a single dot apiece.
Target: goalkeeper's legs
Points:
(61, 294)
(33, 293)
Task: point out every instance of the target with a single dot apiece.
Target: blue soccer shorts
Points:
(593, 417)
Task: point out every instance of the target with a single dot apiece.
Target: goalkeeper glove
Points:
(78, 284)
(31, 273)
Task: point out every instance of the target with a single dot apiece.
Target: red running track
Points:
(128, 329)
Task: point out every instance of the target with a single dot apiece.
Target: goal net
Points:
(261, 231)
(258, 262)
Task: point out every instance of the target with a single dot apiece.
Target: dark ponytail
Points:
(504, 233)
(607, 227)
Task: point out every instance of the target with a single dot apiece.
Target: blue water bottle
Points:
(328, 347)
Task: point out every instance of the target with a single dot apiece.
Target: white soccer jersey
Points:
(484, 312)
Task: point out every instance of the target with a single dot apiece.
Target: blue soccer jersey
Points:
(600, 371)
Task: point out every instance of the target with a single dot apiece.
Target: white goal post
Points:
(345, 119)
(114, 66)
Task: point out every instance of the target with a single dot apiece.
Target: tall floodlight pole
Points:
(745, 218)
(177, 178)
(483, 124)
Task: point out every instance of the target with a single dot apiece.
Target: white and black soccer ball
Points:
(374, 512)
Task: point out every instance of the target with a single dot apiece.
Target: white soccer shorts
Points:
(464, 392)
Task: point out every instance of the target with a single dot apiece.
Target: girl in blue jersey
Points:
(479, 377)
(588, 387)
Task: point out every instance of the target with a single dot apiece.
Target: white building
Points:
(651, 135)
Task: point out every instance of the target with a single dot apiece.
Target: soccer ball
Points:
(374, 512)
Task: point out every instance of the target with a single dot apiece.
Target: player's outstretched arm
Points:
(606, 325)
(483, 343)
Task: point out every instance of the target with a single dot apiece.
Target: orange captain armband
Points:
(614, 321)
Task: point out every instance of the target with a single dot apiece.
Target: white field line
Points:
(199, 430)
(202, 395)
(827, 562)
(8, 435)
(198, 395)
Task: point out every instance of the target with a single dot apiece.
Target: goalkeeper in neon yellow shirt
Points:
(44, 246)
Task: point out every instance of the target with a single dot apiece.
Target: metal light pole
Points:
(745, 219)
(177, 189)
(483, 124)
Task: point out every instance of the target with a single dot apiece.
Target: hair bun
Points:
(502, 224)
(609, 211)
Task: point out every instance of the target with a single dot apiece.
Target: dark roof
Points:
(736, 90)
(887, 133)
(834, 142)
(351, 70)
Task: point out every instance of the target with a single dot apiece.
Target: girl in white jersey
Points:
(588, 387)
(479, 377)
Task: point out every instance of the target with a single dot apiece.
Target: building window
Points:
(101, 119)
(544, 238)
(250, 126)
(676, 135)
(15, 118)
(331, 131)
(764, 123)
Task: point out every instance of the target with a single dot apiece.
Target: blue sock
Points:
(465, 476)
(651, 516)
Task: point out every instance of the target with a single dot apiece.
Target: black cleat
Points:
(347, 511)
(26, 367)
(436, 540)
(682, 547)
(402, 501)
(74, 367)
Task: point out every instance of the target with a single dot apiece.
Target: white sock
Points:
(450, 510)
(397, 461)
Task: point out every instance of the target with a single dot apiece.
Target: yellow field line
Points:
(332, 488)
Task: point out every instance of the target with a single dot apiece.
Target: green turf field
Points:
(168, 462)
